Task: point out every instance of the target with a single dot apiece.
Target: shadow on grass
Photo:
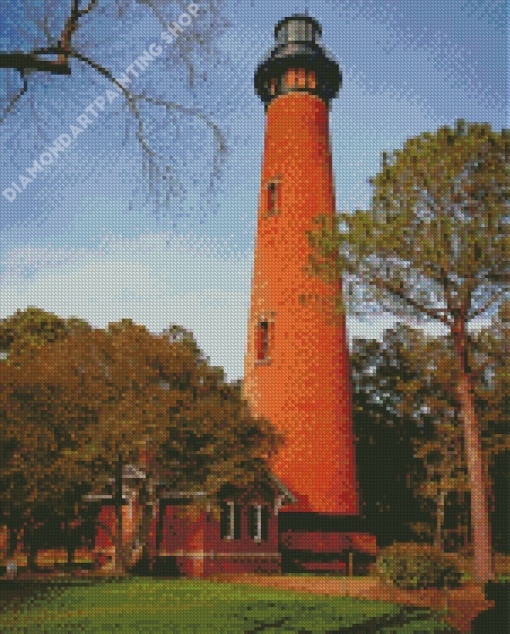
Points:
(17, 592)
(187, 604)
(406, 616)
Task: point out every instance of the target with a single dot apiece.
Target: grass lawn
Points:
(195, 606)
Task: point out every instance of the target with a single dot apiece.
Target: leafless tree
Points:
(59, 44)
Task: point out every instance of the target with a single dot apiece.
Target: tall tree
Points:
(430, 400)
(434, 244)
(433, 396)
(206, 440)
(492, 397)
(404, 397)
(22, 335)
(43, 426)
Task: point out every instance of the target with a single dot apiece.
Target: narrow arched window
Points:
(258, 521)
(273, 196)
(262, 340)
(230, 520)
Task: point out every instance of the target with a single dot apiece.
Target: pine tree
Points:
(434, 244)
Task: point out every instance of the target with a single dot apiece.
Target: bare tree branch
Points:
(23, 61)
(179, 42)
(72, 26)
(28, 61)
(155, 164)
(36, 119)
(46, 31)
(133, 98)
(220, 139)
(14, 100)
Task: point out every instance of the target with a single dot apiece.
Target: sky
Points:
(87, 238)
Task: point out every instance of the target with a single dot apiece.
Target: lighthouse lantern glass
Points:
(297, 30)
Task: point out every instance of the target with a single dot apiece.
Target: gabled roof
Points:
(131, 472)
(285, 493)
(286, 496)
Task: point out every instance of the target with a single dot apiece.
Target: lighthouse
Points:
(297, 364)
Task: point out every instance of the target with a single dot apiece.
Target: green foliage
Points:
(414, 566)
(381, 372)
(23, 334)
(434, 242)
(78, 405)
(404, 397)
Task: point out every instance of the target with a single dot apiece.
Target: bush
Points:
(414, 566)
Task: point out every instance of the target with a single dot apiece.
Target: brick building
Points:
(245, 539)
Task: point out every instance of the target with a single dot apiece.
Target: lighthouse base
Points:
(311, 542)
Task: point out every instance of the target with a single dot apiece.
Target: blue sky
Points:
(85, 239)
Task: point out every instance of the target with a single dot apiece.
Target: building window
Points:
(230, 521)
(262, 340)
(290, 78)
(272, 196)
(264, 336)
(301, 78)
(258, 520)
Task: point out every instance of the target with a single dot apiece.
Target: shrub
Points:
(414, 566)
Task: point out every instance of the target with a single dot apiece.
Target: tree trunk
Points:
(70, 545)
(12, 543)
(147, 517)
(32, 553)
(464, 526)
(472, 444)
(438, 539)
(143, 520)
(117, 538)
(70, 555)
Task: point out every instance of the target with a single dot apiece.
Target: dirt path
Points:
(463, 603)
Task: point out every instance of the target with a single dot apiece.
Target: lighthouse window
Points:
(262, 340)
(301, 78)
(291, 78)
(272, 197)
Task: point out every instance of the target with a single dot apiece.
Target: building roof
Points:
(131, 472)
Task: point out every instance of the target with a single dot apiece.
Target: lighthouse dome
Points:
(297, 45)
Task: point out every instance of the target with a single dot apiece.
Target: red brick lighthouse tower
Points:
(296, 367)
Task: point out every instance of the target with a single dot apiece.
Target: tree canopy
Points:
(435, 242)
(84, 404)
